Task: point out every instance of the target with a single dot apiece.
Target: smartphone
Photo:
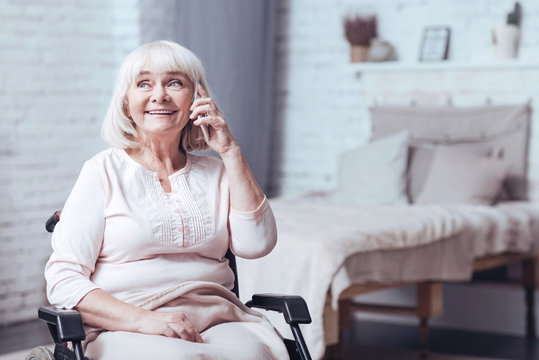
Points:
(203, 127)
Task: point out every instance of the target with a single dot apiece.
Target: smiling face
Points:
(158, 103)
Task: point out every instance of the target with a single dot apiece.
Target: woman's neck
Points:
(164, 159)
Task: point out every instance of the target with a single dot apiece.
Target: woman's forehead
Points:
(150, 67)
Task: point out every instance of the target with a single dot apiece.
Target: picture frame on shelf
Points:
(435, 43)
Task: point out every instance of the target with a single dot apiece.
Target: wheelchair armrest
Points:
(68, 323)
(294, 308)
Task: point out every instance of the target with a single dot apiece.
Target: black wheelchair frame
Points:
(66, 326)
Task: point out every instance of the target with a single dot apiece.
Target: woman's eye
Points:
(176, 83)
(143, 85)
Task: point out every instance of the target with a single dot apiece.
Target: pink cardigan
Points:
(122, 233)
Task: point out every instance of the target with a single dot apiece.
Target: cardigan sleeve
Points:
(77, 239)
(253, 233)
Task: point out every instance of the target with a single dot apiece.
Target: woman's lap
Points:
(233, 340)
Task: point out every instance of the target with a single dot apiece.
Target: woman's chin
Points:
(171, 131)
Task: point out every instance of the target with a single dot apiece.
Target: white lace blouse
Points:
(119, 230)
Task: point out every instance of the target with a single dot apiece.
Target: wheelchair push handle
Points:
(52, 221)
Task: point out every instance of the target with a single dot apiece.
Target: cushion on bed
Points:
(457, 176)
(419, 162)
(374, 173)
(477, 130)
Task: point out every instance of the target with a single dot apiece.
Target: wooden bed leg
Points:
(528, 269)
(429, 299)
(423, 338)
(335, 351)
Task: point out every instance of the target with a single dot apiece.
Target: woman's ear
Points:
(195, 91)
(125, 108)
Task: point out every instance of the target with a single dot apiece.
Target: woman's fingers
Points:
(173, 325)
(170, 332)
(203, 105)
(213, 121)
(198, 338)
(205, 113)
(201, 101)
(201, 110)
(184, 328)
(186, 331)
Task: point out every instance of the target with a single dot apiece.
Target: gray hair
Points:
(118, 129)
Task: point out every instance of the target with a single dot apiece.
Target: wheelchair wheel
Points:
(40, 353)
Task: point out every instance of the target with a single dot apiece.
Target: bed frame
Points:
(429, 298)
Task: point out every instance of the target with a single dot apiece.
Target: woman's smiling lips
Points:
(160, 112)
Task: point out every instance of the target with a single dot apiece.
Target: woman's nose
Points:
(159, 94)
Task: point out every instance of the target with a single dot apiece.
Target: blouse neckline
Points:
(184, 170)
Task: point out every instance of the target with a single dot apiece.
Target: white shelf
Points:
(396, 66)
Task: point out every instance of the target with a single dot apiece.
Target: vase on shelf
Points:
(359, 53)
(359, 30)
(505, 39)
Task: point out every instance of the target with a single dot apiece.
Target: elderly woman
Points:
(140, 247)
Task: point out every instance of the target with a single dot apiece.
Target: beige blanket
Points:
(316, 238)
(207, 305)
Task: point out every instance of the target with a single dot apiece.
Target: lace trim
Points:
(181, 218)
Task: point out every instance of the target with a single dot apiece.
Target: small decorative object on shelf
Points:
(359, 31)
(506, 37)
(380, 50)
(435, 43)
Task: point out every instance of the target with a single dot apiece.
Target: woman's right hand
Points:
(172, 324)
(101, 310)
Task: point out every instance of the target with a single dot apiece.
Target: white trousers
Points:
(231, 340)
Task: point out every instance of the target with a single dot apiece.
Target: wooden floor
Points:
(390, 337)
(364, 340)
(23, 336)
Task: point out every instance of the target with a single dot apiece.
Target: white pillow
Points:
(375, 174)
(457, 176)
(419, 161)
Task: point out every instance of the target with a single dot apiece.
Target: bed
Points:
(415, 206)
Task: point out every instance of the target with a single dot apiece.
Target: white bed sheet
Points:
(324, 248)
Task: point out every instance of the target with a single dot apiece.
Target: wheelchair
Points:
(66, 326)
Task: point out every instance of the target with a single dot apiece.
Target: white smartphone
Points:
(203, 127)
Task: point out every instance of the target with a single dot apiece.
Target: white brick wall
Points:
(126, 18)
(58, 61)
(158, 21)
(321, 109)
